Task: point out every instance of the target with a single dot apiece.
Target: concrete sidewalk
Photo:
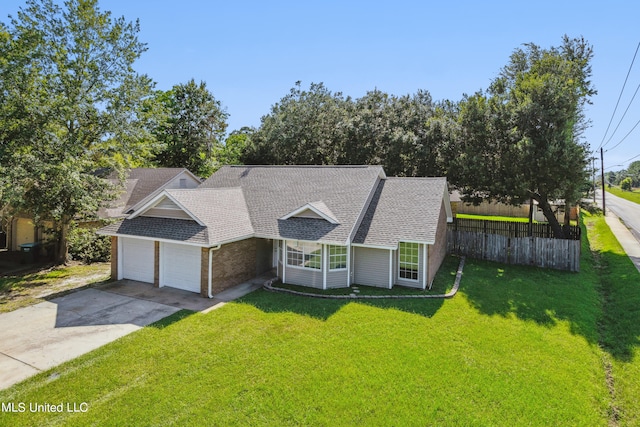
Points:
(628, 242)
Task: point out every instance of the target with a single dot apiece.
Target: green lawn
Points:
(494, 218)
(633, 196)
(516, 346)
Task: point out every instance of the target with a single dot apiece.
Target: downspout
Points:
(210, 278)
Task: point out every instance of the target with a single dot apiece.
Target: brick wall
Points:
(438, 251)
(235, 263)
(204, 272)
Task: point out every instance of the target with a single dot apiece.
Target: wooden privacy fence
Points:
(510, 243)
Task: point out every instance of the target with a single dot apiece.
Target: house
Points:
(494, 208)
(141, 184)
(316, 226)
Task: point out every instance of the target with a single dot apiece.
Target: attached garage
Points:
(137, 257)
(180, 266)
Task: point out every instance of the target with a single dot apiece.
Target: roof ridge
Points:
(304, 166)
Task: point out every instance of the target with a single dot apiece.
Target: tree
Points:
(234, 146)
(70, 102)
(306, 127)
(521, 139)
(192, 129)
(625, 184)
(317, 126)
(633, 171)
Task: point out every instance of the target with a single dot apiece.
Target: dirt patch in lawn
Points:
(36, 285)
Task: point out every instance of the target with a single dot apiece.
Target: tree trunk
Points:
(558, 232)
(530, 217)
(567, 214)
(62, 245)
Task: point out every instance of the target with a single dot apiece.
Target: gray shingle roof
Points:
(242, 201)
(403, 209)
(271, 192)
(160, 228)
(222, 210)
(140, 183)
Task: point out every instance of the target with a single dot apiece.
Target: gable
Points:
(142, 185)
(164, 207)
(314, 210)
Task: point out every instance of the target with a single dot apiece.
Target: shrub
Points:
(625, 184)
(86, 246)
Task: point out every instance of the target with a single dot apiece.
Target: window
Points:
(308, 255)
(183, 182)
(337, 257)
(409, 255)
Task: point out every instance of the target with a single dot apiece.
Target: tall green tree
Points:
(234, 146)
(70, 102)
(317, 126)
(522, 139)
(192, 130)
(306, 127)
(633, 171)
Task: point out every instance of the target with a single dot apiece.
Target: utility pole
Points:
(593, 172)
(604, 206)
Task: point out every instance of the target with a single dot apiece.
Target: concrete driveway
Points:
(39, 337)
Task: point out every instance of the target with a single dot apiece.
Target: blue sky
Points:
(250, 53)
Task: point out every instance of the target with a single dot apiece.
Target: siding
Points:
(336, 279)
(304, 277)
(371, 267)
(167, 213)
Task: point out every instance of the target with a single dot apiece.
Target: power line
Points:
(620, 96)
(623, 115)
(634, 157)
(625, 137)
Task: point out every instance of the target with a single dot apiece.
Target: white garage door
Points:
(137, 259)
(180, 265)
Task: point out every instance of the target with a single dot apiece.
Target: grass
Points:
(516, 346)
(633, 196)
(503, 218)
(21, 290)
(494, 218)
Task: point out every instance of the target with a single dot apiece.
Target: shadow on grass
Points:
(601, 303)
(320, 308)
(170, 320)
(532, 294)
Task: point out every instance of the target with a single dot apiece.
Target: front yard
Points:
(516, 346)
(20, 290)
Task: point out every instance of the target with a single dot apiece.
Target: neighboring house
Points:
(487, 207)
(141, 185)
(317, 226)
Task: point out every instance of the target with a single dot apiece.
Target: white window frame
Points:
(307, 250)
(344, 254)
(403, 246)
